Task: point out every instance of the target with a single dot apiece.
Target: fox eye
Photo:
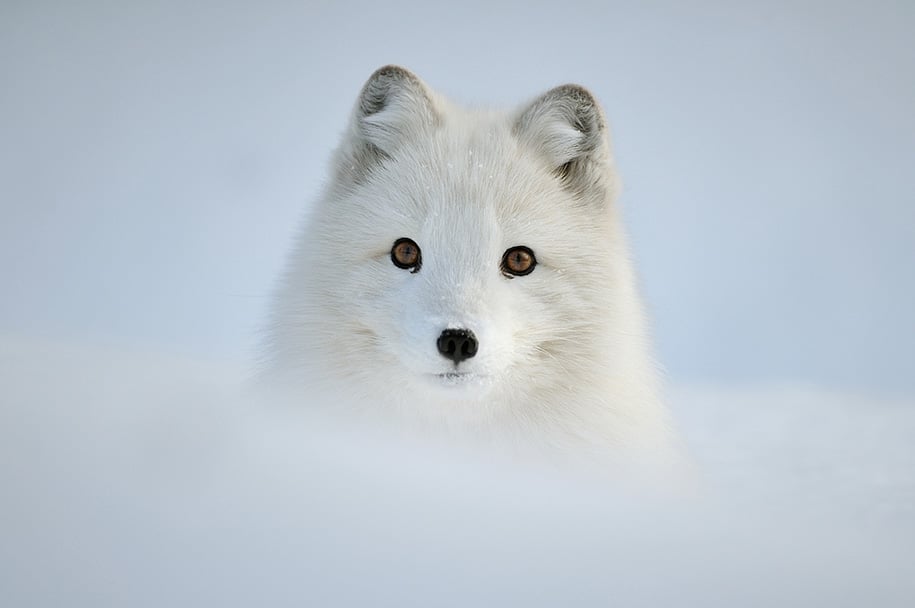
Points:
(406, 254)
(518, 261)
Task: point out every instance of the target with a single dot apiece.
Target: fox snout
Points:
(457, 344)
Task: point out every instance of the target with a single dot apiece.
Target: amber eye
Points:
(518, 261)
(406, 254)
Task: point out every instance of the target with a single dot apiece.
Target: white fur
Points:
(563, 356)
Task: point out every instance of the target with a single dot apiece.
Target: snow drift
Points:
(135, 479)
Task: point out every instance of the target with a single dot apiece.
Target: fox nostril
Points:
(457, 344)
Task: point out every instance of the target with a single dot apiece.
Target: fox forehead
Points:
(466, 183)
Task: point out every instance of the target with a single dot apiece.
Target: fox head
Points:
(462, 260)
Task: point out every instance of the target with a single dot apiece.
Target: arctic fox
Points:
(467, 270)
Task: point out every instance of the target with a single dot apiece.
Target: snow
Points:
(136, 478)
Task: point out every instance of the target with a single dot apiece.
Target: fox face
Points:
(459, 255)
(453, 288)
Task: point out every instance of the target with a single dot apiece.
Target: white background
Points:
(156, 157)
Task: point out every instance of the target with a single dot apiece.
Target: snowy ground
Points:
(133, 479)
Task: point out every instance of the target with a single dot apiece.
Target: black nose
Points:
(457, 344)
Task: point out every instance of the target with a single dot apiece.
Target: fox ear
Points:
(567, 127)
(393, 105)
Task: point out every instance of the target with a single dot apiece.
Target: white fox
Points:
(468, 270)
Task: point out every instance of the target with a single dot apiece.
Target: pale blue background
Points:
(155, 158)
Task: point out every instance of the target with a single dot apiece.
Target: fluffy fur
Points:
(563, 358)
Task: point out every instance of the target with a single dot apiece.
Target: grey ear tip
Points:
(392, 72)
(584, 105)
(575, 91)
(377, 88)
